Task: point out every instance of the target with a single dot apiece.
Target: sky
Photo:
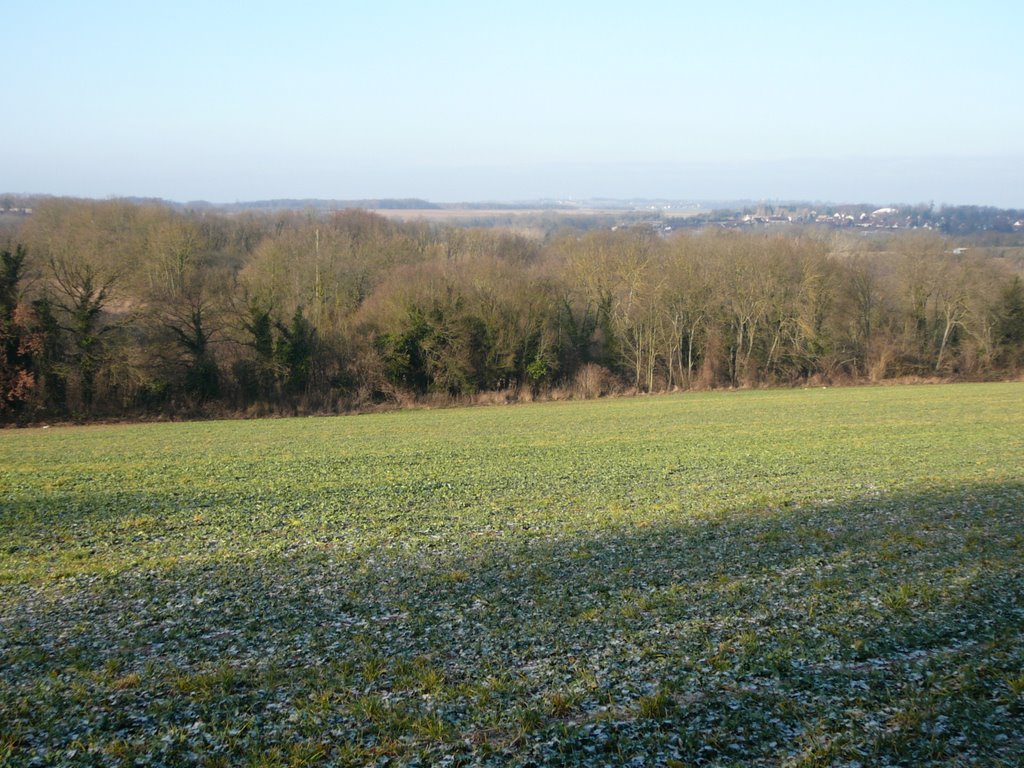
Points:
(468, 101)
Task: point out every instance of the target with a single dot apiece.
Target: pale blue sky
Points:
(880, 102)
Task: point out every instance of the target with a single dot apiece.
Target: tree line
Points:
(113, 309)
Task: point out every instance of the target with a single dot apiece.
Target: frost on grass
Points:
(344, 613)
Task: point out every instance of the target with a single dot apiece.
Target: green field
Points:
(799, 577)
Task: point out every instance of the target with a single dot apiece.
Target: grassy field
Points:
(800, 577)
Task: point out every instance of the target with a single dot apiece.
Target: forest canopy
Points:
(124, 309)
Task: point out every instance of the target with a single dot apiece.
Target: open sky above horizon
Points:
(468, 101)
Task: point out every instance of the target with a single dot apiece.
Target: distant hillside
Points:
(588, 212)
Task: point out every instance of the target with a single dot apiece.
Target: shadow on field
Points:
(883, 629)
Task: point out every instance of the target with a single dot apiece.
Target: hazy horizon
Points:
(458, 102)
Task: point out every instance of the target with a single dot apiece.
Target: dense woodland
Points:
(118, 309)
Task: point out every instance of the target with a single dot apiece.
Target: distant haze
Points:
(951, 180)
(910, 102)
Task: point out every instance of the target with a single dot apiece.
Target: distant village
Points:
(947, 219)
